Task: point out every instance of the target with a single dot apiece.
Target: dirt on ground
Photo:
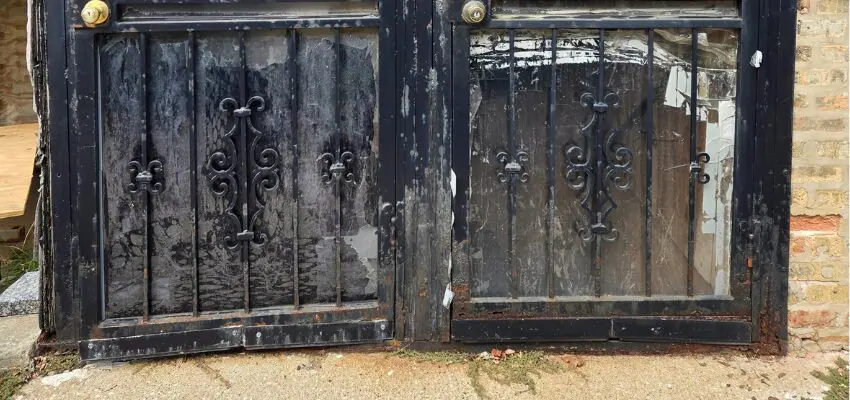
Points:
(331, 374)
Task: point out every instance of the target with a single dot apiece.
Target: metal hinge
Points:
(392, 216)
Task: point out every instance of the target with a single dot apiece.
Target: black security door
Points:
(601, 152)
(231, 162)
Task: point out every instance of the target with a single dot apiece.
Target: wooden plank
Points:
(359, 215)
(271, 271)
(171, 226)
(217, 74)
(16, 167)
(317, 203)
(125, 215)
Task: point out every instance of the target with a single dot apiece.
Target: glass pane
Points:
(594, 152)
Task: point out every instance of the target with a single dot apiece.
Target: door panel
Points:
(240, 175)
(591, 189)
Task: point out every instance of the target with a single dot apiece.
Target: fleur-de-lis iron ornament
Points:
(337, 170)
(697, 174)
(596, 165)
(512, 168)
(145, 178)
(252, 158)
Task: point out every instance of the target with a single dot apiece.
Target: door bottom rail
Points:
(235, 337)
(706, 331)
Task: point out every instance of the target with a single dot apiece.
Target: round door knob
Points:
(474, 12)
(95, 13)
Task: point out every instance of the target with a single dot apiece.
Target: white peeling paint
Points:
(449, 295)
(364, 245)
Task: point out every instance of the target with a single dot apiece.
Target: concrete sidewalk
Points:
(351, 375)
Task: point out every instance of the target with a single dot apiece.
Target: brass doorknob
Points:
(95, 13)
(474, 12)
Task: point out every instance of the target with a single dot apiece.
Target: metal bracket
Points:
(696, 168)
(144, 178)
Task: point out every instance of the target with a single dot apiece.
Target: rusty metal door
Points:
(234, 173)
(600, 150)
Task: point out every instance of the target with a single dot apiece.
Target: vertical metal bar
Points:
(193, 156)
(338, 143)
(293, 107)
(693, 156)
(550, 169)
(511, 150)
(243, 165)
(599, 157)
(143, 156)
(649, 131)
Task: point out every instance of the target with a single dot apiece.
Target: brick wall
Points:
(818, 299)
(15, 86)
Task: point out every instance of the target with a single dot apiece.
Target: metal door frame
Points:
(682, 321)
(284, 326)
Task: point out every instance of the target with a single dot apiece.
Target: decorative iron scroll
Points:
(145, 178)
(696, 168)
(259, 169)
(512, 168)
(597, 165)
(335, 169)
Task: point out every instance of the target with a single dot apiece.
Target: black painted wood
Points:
(428, 139)
(172, 228)
(126, 213)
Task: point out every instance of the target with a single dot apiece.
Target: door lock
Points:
(474, 12)
(95, 13)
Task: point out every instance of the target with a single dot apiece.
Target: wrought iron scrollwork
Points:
(512, 168)
(259, 168)
(145, 178)
(697, 174)
(333, 169)
(597, 165)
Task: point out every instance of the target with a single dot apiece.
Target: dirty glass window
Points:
(300, 9)
(606, 155)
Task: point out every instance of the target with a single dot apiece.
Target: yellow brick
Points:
(818, 271)
(799, 197)
(820, 30)
(833, 125)
(817, 174)
(798, 149)
(832, 7)
(831, 103)
(831, 199)
(814, 76)
(823, 294)
(832, 149)
(804, 53)
(800, 101)
(834, 53)
(825, 246)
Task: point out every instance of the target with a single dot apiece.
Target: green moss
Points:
(435, 357)
(837, 379)
(517, 369)
(10, 381)
(55, 363)
(19, 262)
